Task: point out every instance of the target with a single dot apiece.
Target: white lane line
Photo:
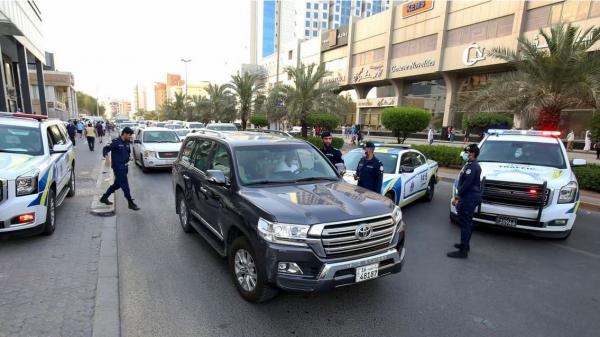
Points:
(576, 250)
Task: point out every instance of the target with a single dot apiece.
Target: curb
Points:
(583, 204)
(106, 321)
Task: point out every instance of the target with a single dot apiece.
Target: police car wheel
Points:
(184, 214)
(430, 191)
(50, 224)
(72, 184)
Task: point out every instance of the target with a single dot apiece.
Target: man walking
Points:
(369, 171)
(90, 134)
(99, 131)
(468, 197)
(570, 140)
(80, 128)
(72, 130)
(597, 146)
(334, 155)
(120, 156)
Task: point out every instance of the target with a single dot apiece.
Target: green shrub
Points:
(588, 177)
(323, 120)
(318, 142)
(446, 156)
(405, 120)
(595, 126)
(479, 122)
(259, 120)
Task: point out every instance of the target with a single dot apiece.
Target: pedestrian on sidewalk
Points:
(344, 131)
(90, 134)
(99, 131)
(570, 140)
(597, 146)
(120, 153)
(430, 136)
(588, 141)
(468, 197)
(72, 130)
(80, 128)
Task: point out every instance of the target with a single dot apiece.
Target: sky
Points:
(110, 46)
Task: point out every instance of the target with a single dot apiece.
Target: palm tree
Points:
(308, 92)
(546, 80)
(198, 105)
(218, 101)
(274, 104)
(246, 90)
(179, 105)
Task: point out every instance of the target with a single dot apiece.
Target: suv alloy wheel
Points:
(248, 273)
(50, 224)
(184, 213)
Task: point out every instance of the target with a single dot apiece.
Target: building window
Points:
(315, 33)
(306, 33)
(315, 15)
(368, 13)
(307, 24)
(290, 54)
(337, 8)
(308, 15)
(357, 12)
(416, 46)
(357, 4)
(315, 24)
(368, 57)
(316, 6)
(308, 5)
(325, 6)
(369, 6)
(480, 31)
(337, 17)
(324, 24)
(324, 15)
(337, 25)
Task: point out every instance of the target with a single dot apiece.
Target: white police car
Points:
(36, 172)
(527, 183)
(408, 175)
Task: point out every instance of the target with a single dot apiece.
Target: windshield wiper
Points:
(315, 178)
(265, 182)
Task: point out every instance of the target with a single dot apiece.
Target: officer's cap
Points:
(472, 148)
(325, 134)
(369, 145)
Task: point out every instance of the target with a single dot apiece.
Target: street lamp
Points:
(186, 61)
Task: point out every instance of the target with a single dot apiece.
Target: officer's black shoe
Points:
(459, 246)
(459, 254)
(133, 206)
(105, 200)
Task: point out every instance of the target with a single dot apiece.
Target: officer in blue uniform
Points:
(369, 171)
(120, 157)
(468, 197)
(334, 155)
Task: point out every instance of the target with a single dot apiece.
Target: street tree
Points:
(246, 89)
(405, 120)
(259, 120)
(307, 93)
(89, 103)
(217, 103)
(480, 122)
(324, 120)
(274, 105)
(551, 74)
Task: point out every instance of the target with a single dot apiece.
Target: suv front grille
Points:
(341, 240)
(515, 194)
(168, 154)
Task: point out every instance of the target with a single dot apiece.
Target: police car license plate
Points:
(506, 221)
(367, 272)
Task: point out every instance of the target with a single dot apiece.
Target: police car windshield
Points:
(160, 137)
(526, 153)
(282, 164)
(19, 139)
(388, 160)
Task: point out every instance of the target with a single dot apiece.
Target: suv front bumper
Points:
(15, 206)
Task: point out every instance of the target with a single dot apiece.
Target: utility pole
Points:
(278, 39)
(186, 61)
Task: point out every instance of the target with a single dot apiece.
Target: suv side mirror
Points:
(341, 168)
(60, 148)
(407, 169)
(217, 177)
(137, 141)
(579, 162)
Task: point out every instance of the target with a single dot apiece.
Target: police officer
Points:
(369, 171)
(468, 197)
(334, 155)
(120, 157)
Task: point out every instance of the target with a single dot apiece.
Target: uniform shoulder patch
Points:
(468, 171)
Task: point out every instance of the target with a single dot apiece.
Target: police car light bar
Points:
(524, 132)
(22, 115)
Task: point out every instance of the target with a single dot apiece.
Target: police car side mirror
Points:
(579, 162)
(341, 168)
(407, 169)
(60, 148)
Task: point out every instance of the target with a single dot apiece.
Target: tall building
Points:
(160, 94)
(140, 98)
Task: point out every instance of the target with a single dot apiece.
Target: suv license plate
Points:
(367, 272)
(506, 221)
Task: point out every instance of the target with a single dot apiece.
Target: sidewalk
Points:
(589, 200)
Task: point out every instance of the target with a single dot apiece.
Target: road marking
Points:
(576, 250)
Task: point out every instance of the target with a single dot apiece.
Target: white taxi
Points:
(527, 183)
(37, 163)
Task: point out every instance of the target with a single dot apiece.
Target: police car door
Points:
(409, 178)
(59, 160)
(421, 171)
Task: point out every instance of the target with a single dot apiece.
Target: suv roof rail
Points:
(39, 118)
(207, 131)
(282, 133)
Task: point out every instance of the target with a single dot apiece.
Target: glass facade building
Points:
(268, 28)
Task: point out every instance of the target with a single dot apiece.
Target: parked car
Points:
(193, 125)
(37, 163)
(172, 126)
(282, 214)
(182, 133)
(221, 127)
(155, 148)
(408, 175)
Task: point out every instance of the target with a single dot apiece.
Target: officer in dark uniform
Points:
(369, 171)
(120, 157)
(468, 197)
(334, 155)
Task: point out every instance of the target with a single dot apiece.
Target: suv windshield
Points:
(19, 139)
(222, 127)
(182, 132)
(282, 164)
(160, 137)
(389, 160)
(527, 153)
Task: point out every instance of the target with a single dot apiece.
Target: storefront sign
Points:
(416, 7)
(377, 102)
(334, 38)
(336, 77)
(473, 54)
(413, 65)
(368, 73)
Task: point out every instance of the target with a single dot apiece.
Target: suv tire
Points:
(72, 185)
(247, 273)
(144, 169)
(50, 224)
(184, 213)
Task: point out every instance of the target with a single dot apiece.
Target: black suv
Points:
(282, 214)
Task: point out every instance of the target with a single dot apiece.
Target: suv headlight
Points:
(287, 234)
(148, 154)
(567, 193)
(397, 215)
(27, 184)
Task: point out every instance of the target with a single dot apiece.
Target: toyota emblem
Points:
(363, 232)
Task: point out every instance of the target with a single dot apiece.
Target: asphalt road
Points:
(174, 284)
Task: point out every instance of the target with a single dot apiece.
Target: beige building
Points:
(427, 53)
(61, 97)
